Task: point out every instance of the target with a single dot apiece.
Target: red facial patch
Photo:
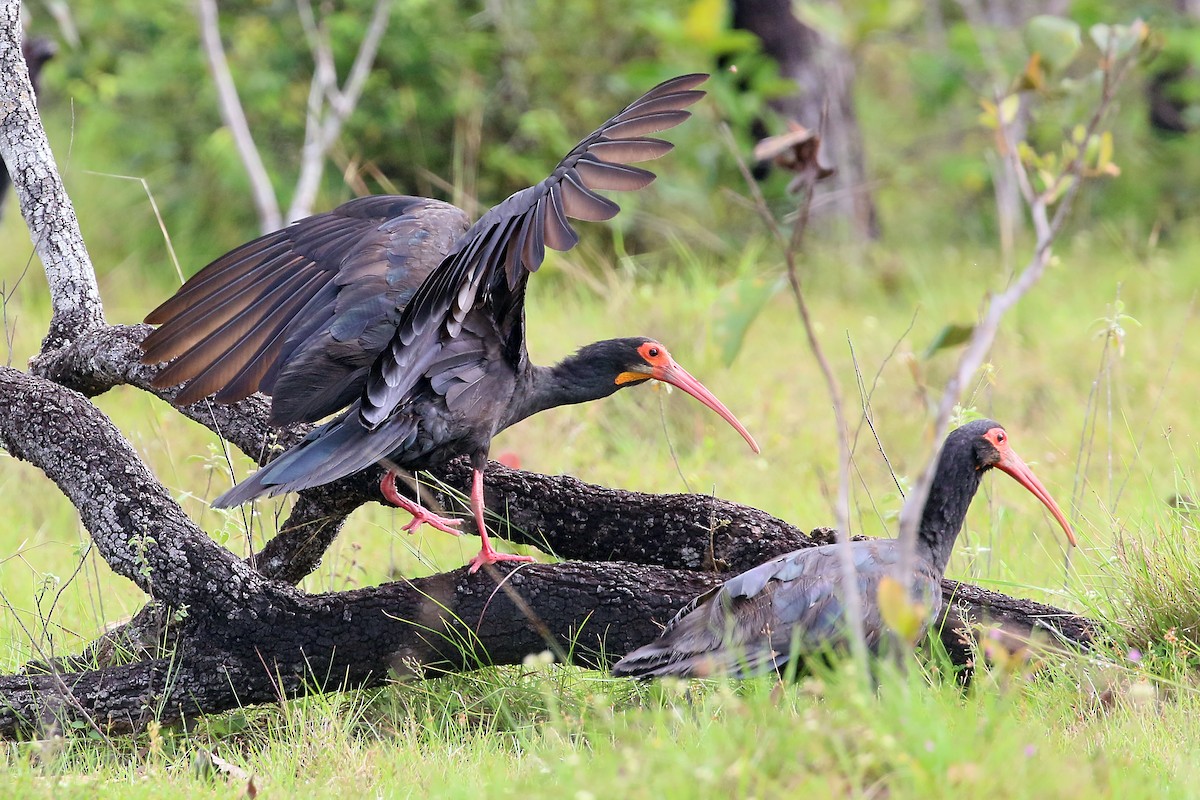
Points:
(654, 354)
(999, 439)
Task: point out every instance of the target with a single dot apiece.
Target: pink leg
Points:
(419, 513)
(486, 554)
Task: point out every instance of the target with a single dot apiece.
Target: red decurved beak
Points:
(1011, 463)
(676, 375)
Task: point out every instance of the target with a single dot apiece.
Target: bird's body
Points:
(794, 606)
(455, 412)
(747, 625)
(395, 313)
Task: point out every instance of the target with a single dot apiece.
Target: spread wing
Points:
(468, 384)
(302, 312)
(488, 267)
(757, 621)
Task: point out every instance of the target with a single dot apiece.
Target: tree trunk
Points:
(36, 52)
(823, 72)
(43, 198)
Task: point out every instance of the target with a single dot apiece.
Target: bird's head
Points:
(990, 447)
(632, 361)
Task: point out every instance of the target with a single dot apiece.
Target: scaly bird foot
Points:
(423, 516)
(490, 556)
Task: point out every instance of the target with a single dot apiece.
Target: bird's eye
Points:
(652, 352)
(1000, 438)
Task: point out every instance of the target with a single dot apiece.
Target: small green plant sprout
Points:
(964, 414)
(141, 546)
(1112, 326)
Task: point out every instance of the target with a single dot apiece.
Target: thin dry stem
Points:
(269, 216)
(1047, 230)
(851, 600)
(329, 105)
(162, 225)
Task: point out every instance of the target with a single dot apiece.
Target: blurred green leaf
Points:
(965, 170)
(937, 79)
(1055, 39)
(900, 613)
(951, 335)
(831, 20)
(739, 305)
(1009, 107)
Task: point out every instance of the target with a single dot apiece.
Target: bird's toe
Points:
(486, 557)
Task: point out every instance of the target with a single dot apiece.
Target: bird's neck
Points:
(954, 486)
(568, 382)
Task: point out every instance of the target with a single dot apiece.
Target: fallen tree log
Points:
(249, 638)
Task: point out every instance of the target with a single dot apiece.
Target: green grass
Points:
(550, 732)
(1107, 431)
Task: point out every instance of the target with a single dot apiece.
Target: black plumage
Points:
(301, 313)
(393, 310)
(792, 606)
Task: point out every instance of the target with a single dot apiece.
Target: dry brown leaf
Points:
(796, 151)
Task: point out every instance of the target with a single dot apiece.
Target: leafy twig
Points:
(1047, 229)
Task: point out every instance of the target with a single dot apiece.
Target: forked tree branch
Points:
(246, 639)
(983, 335)
(329, 105)
(243, 635)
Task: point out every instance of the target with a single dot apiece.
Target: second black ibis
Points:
(395, 313)
(792, 606)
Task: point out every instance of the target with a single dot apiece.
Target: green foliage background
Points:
(474, 100)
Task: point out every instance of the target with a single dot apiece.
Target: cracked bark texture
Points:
(44, 203)
(248, 635)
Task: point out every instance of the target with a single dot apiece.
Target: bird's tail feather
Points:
(658, 661)
(333, 451)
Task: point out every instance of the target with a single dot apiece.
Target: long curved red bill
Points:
(1011, 463)
(676, 375)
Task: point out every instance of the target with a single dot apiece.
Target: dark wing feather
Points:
(302, 312)
(200, 342)
(213, 305)
(240, 372)
(494, 258)
(790, 606)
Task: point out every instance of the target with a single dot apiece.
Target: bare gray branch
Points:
(47, 209)
(269, 216)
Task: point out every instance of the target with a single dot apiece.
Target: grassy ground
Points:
(1098, 403)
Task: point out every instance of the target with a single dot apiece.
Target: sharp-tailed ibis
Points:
(393, 312)
(792, 606)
